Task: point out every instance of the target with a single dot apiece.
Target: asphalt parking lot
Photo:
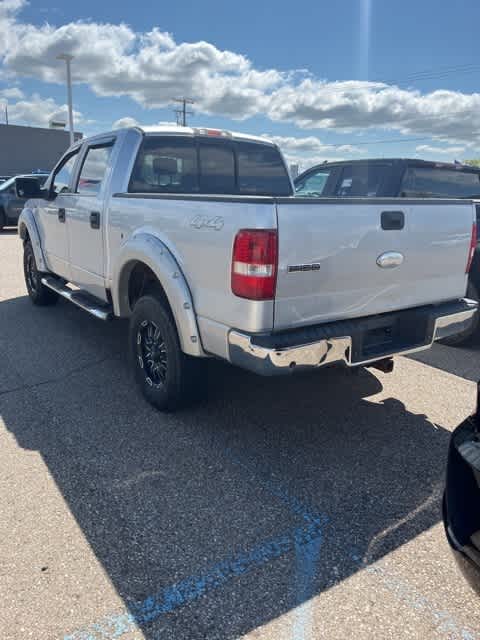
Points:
(278, 509)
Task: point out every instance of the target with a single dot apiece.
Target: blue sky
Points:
(300, 72)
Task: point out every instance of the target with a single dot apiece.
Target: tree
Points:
(473, 163)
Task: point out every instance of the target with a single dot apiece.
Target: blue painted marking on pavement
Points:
(304, 541)
(181, 593)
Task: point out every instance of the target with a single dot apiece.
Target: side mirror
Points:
(28, 188)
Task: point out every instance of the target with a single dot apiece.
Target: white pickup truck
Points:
(195, 235)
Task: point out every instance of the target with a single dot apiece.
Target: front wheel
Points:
(470, 332)
(39, 294)
(167, 377)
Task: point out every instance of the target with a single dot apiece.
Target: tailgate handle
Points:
(393, 220)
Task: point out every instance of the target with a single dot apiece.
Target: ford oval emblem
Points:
(390, 260)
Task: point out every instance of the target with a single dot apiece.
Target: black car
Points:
(461, 503)
(11, 204)
(401, 178)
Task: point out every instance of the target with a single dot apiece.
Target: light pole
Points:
(68, 59)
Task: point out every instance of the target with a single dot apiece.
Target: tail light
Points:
(473, 248)
(254, 264)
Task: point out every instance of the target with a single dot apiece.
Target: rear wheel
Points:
(167, 377)
(39, 294)
(468, 335)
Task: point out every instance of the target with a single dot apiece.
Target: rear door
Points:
(85, 222)
(346, 258)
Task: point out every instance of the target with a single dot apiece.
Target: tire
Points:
(466, 336)
(3, 219)
(167, 378)
(39, 294)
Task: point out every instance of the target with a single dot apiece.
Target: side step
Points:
(95, 307)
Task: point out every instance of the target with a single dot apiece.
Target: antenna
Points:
(181, 114)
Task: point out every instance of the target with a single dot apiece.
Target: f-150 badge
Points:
(294, 268)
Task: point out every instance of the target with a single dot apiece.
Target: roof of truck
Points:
(192, 131)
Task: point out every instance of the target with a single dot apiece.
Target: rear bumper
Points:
(461, 502)
(353, 342)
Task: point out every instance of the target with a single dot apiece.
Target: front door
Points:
(86, 223)
(52, 216)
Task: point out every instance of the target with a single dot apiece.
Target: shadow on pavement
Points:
(447, 359)
(161, 498)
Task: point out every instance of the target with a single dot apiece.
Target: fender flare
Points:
(28, 225)
(151, 251)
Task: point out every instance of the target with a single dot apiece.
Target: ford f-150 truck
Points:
(196, 237)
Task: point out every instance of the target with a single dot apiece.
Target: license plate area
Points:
(390, 335)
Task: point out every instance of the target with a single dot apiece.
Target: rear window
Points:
(261, 170)
(225, 167)
(423, 182)
(362, 180)
(217, 168)
(165, 165)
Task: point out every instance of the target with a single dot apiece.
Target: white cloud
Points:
(151, 68)
(128, 121)
(39, 111)
(310, 150)
(452, 152)
(125, 122)
(11, 93)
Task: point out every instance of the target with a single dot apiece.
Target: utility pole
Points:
(182, 113)
(68, 59)
(6, 112)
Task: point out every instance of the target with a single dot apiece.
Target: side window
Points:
(165, 165)
(63, 174)
(363, 180)
(217, 168)
(94, 169)
(314, 184)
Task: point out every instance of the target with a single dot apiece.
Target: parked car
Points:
(461, 504)
(11, 203)
(195, 236)
(387, 178)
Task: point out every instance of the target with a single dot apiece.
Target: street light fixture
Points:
(68, 59)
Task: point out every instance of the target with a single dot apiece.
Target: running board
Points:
(82, 299)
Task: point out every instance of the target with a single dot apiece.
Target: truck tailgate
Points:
(347, 258)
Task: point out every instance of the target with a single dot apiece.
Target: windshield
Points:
(313, 185)
(436, 181)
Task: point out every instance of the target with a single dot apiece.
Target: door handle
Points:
(393, 220)
(95, 220)
(61, 215)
